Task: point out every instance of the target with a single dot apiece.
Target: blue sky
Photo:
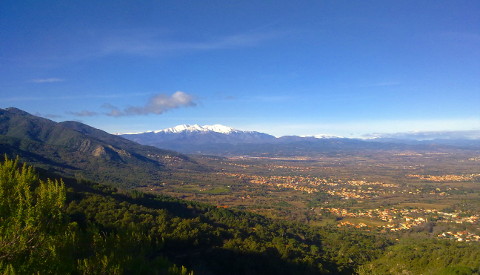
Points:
(283, 67)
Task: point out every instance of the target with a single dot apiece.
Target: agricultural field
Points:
(437, 193)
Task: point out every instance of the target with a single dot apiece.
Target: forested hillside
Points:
(85, 228)
(77, 150)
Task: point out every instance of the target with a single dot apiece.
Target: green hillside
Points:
(77, 150)
(52, 227)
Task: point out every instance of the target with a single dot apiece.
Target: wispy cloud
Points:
(52, 116)
(72, 97)
(47, 80)
(158, 104)
(149, 44)
(84, 113)
(152, 43)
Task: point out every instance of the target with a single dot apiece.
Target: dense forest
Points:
(79, 227)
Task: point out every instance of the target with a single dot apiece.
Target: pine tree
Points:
(33, 225)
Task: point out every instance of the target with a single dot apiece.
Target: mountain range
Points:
(77, 150)
(196, 135)
(220, 140)
(226, 141)
(74, 149)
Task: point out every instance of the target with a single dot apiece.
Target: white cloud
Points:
(47, 80)
(158, 104)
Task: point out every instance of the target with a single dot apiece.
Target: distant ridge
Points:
(429, 135)
(227, 141)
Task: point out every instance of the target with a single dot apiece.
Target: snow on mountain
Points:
(217, 128)
(182, 136)
(323, 136)
(326, 136)
(222, 140)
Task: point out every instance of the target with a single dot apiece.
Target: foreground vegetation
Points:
(79, 227)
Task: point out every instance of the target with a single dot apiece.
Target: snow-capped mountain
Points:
(217, 128)
(222, 140)
(184, 137)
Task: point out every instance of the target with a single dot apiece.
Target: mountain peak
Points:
(326, 136)
(218, 128)
(13, 110)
